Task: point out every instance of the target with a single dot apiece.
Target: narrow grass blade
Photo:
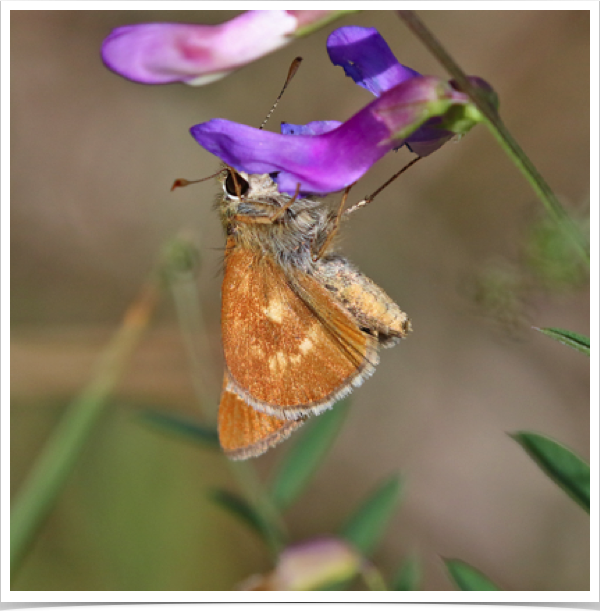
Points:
(566, 469)
(580, 343)
(194, 431)
(364, 528)
(304, 457)
(408, 575)
(245, 512)
(468, 578)
(53, 466)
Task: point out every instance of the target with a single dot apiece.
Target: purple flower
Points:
(158, 53)
(367, 59)
(332, 160)
(423, 112)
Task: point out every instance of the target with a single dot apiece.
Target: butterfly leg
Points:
(335, 226)
(267, 220)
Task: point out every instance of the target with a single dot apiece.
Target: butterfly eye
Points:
(235, 185)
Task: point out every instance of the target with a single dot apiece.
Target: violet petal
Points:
(367, 59)
(333, 160)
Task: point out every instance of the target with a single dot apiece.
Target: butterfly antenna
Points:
(292, 71)
(183, 182)
(370, 198)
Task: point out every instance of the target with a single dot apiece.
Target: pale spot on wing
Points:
(281, 360)
(278, 363)
(243, 284)
(274, 311)
(306, 345)
(315, 333)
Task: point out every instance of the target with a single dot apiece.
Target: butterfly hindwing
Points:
(245, 432)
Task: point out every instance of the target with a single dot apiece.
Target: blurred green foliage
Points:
(468, 578)
(559, 463)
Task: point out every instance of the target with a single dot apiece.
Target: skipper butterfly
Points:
(301, 326)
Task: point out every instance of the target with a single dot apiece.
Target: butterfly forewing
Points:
(288, 355)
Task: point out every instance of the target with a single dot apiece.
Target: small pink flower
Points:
(158, 53)
(309, 566)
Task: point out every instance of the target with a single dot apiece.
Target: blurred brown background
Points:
(93, 157)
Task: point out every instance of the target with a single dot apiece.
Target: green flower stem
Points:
(52, 467)
(329, 16)
(501, 133)
(184, 288)
(252, 487)
(184, 291)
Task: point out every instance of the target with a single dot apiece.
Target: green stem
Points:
(52, 467)
(193, 329)
(253, 490)
(184, 290)
(501, 133)
(328, 17)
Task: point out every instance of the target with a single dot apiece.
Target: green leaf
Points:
(364, 528)
(468, 578)
(195, 431)
(246, 513)
(569, 471)
(408, 575)
(568, 338)
(303, 458)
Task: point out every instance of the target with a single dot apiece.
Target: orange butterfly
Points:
(301, 326)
